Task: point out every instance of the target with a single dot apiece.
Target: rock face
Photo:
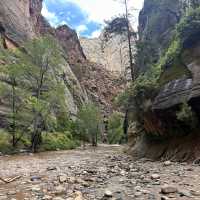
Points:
(178, 82)
(157, 20)
(111, 48)
(21, 21)
(71, 45)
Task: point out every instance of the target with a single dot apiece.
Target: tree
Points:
(89, 123)
(129, 36)
(40, 60)
(11, 73)
(115, 128)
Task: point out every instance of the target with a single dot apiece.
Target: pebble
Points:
(167, 189)
(155, 176)
(35, 178)
(62, 178)
(164, 198)
(108, 193)
(36, 188)
(167, 163)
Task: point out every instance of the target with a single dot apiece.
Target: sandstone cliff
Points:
(111, 48)
(169, 40)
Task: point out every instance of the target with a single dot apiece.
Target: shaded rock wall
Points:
(163, 134)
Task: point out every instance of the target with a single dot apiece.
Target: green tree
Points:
(41, 59)
(115, 128)
(89, 123)
(13, 95)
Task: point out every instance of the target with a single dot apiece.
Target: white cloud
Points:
(50, 16)
(100, 10)
(96, 34)
(82, 28)
(63, 23)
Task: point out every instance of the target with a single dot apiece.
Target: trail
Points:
(95, 174)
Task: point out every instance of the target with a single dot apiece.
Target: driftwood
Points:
(10, 179)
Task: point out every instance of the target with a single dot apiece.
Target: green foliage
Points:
(89, 123)
(34, 90)
(189, 26)
(5, 138)
(115, 128)
(186, 115)
(61, 141)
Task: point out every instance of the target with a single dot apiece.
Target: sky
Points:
(87, 16)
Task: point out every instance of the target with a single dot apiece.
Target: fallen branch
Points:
(10, 179)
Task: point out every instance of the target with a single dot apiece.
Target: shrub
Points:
(186, 115)
(5, 145)
(89, 123)
(115, 128)
(55, 141)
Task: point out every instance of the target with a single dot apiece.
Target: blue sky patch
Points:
(60, 12)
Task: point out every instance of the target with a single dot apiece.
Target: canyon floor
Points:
(102, 173)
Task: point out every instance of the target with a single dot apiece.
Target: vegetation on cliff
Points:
(140, 96)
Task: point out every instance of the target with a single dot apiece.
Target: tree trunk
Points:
(125, 125)
(129, 43)
(13, 115)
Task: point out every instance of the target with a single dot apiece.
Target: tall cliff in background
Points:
(111, 48)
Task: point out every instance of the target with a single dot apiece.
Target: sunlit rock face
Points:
(111, 48)
(17, 20)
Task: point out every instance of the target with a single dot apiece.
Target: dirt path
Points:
(78, 175)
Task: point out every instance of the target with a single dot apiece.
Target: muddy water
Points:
(86, 174)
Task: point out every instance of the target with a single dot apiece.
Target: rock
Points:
(58, 198)
(138, 188)
(78, 196)
(123, 173)
(167, 163)
(164, 198)
(47, 197)
(36, 188)
(155, 176)
(11, 192)
(36, 178)
(167, 189)
(108, 193)
(62, 178)
(184, 193)
(51, 168)
(195, 193)
(137, 194)
(71, 180)
(59, 190)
